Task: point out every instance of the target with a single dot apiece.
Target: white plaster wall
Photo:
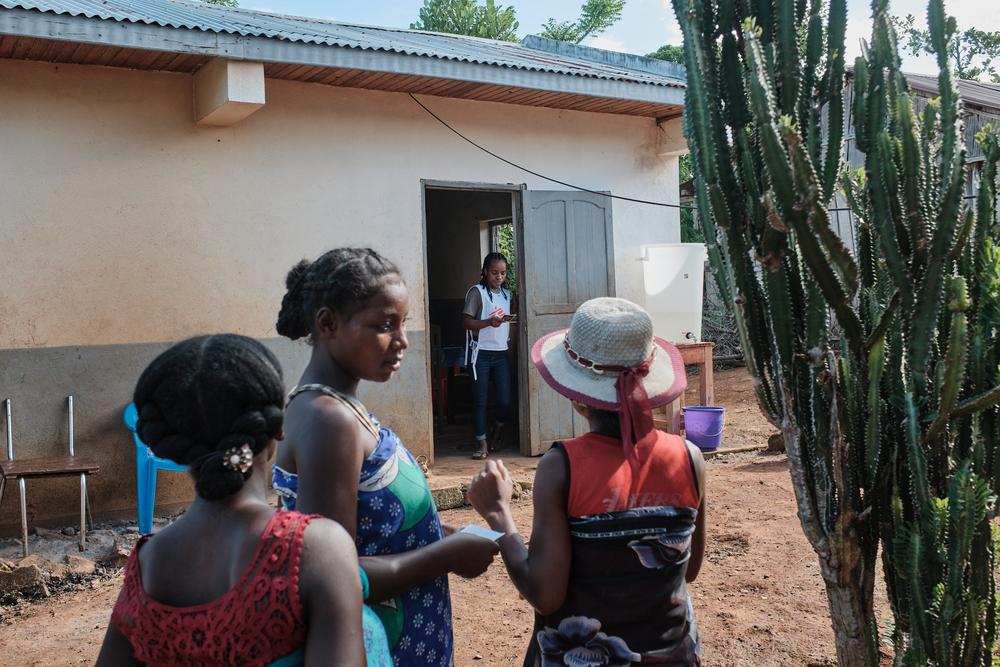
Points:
(124, 222)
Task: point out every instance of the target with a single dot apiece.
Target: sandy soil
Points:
(759, 599)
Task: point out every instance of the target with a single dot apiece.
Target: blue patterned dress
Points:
(396, 513)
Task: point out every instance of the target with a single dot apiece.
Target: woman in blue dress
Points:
(338, 461)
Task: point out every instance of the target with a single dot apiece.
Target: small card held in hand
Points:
(481, 532)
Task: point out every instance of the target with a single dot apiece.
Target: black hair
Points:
(204, 396)
(342, 280)
(489, 259)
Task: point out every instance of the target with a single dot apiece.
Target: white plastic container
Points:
(674, 277)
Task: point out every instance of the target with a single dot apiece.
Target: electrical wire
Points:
(543, 176)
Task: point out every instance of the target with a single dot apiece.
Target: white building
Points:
(164, 163)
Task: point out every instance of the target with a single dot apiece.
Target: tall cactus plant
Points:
(891, 424)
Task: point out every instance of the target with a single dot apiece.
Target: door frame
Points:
(524, 352)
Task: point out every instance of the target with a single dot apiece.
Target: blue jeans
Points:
(490, 364)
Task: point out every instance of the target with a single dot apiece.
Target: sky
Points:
(645, 24)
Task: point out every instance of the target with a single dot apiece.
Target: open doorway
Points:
(464, 224)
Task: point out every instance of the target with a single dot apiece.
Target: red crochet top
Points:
(257, 621)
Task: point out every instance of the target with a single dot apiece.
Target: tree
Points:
(596, 16)
(668, 52)
(690, 231)
(222, 3)
(975, 54)
(890, 417)
(468, 17)
(493, 21)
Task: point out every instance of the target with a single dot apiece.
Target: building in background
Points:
(164, 163)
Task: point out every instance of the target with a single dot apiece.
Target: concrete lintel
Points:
(227, 91)
(672, 140)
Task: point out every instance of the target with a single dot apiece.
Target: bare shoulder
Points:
(325, 424)
(553, 463)
(327, 537)
(328, 555)
(334, 414)
(550, 476)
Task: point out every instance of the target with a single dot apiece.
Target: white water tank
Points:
(674, 277)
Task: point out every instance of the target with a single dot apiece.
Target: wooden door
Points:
(568, 258)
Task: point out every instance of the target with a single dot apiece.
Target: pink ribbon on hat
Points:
(634, 409)
(635, 416)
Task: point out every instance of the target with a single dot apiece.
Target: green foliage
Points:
(691, 231)
(668, 52)
(493, 21)
(506, 244)
(468, 17)
(596, 16)
(222, 3)
(881, 363)
(975, 54)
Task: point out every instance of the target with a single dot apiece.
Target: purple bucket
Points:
(703, 426)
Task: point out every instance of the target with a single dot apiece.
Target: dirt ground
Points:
(759, 599)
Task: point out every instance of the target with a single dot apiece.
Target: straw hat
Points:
(606, 337)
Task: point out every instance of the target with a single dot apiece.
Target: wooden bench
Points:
(52, 466)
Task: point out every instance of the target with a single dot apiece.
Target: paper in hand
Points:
(479, 531)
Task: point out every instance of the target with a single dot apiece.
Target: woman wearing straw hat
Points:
(619, 513)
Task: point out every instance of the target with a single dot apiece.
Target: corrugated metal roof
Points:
(250, 23)
(972, 92)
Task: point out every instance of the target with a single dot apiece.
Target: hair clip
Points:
(238, 458)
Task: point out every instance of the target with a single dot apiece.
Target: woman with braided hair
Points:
(231, 582)
(338, 461)
(489, 309)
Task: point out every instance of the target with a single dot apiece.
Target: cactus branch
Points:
(889, 407)
(984, 401)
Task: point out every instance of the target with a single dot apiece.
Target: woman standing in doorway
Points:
(487, 314)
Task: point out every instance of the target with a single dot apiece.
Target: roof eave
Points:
(80, 29)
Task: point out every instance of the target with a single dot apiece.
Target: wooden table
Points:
(670, 417)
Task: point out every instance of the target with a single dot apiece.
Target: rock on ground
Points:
(21, 580)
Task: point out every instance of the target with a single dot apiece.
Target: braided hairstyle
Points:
(341, 280)
(207, 395)
(489, 259)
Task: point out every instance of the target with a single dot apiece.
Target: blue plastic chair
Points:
(146, 465)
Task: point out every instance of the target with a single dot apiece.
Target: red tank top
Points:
(257, 621)
(600, 477)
